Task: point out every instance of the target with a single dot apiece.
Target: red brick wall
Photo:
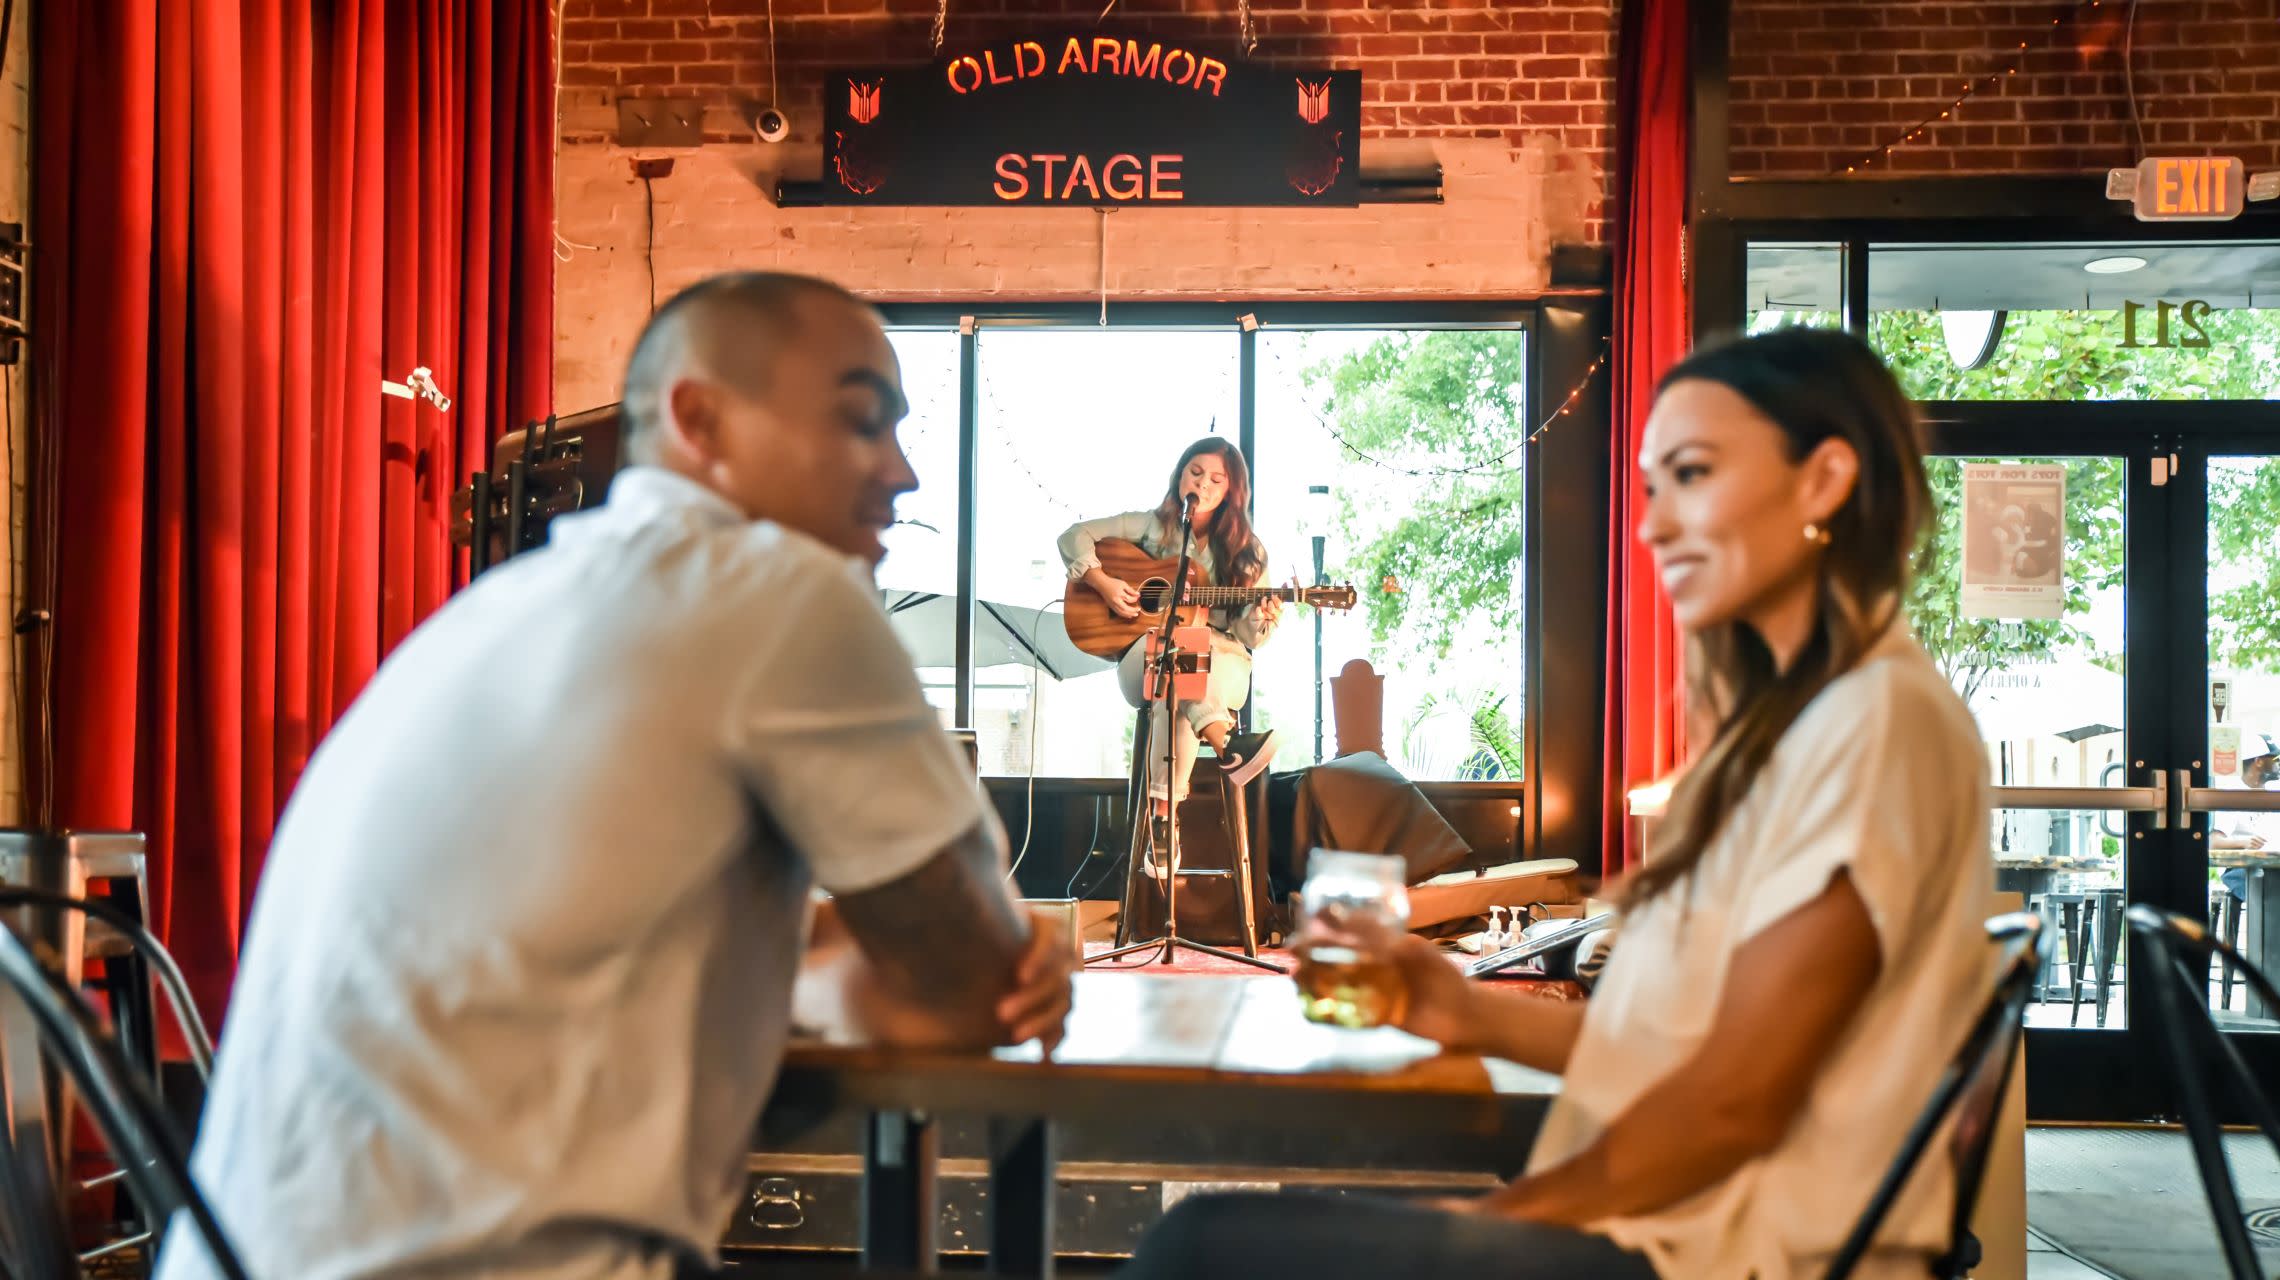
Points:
(1511, 98)
(1822, 84)
(1430, 68)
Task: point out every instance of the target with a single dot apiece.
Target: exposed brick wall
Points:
(1820, 84)
(1430, 68)
(1511, 97)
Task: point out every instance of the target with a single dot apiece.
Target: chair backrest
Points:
(122, 1106)
(2198, 1055)
(1970, 1089)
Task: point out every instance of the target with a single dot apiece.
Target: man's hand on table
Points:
(1038, 1006)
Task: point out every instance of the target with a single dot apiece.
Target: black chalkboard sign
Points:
(1086, 120)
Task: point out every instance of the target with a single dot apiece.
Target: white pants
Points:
(1228, 689)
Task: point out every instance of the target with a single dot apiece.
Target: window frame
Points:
(1571, 476)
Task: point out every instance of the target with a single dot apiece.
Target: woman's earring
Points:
(1817, 535)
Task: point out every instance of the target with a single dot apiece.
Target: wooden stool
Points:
(1235, 821)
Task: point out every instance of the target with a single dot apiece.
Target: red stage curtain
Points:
(1644, 724)
(248, 212)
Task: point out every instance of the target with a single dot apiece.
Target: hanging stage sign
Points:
(1092, 120)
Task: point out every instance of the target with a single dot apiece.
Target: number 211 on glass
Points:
(2190, 315)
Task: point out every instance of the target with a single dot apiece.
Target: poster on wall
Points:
(2014, 541)
(1092, 121)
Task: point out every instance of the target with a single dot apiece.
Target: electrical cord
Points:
(649, 235)
(1069, 890)
(1029, 807)
(2129, 77)
(16, 592)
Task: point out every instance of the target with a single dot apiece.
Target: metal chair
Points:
(2199, 1057)
(148, 949)
(122, 1106)
(2225, 912)
(1970, 1090)
(151, 965)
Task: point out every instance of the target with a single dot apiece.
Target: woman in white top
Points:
(1804, 949)
(1228, 554)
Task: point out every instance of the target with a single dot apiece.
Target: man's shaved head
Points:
(781, 393)
(730, 326)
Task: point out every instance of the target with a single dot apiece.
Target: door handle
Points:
(2106, 818)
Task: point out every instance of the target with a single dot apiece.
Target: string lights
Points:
(1971, 89)
(1006, 449)
(1567, 404)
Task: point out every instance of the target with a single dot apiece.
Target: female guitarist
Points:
(1227, 554)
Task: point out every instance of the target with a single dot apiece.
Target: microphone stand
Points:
(1164, 664)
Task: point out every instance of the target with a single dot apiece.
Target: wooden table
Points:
(1219, 1050)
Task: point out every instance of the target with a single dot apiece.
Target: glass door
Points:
(2025, 600)
(2103, 590)
(2235, 799)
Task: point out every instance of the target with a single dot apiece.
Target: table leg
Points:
(1021, 1197)
(2260, 934)
(899, 1204)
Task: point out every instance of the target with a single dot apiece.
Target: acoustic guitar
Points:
(1095, 628)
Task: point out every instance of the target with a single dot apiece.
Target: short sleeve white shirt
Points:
(2243, 822)
(1882, 777)
(518, 976)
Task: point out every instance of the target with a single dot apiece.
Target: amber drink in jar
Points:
(1341, 982)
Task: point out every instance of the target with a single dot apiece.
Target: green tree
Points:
(2244, 566)
(1968, 650)
(1450, 404)
(2079, 356)
(1432, 422)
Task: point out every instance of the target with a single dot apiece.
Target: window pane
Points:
(1075, 424)
(2080, 322)
(1353, 413)
(2244, 657)
(2045, 683)
(2047, 690)
(918, 581)
(1794, 285)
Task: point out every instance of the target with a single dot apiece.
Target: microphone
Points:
(1187, 504)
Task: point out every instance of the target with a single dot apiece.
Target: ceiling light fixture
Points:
(2114, 266)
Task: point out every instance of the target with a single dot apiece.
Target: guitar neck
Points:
(1222, 597)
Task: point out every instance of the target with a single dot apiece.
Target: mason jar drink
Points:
(1340, 982)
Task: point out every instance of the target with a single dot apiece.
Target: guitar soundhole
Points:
(1155, 593)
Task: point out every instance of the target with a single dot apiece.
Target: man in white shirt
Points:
(522, 964)
(2248, 832)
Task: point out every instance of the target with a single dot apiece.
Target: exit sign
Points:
(2190, 188)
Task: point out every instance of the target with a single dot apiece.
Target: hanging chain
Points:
(775, 88)
(941, 23)
(1250, 31)
(1104, 212)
